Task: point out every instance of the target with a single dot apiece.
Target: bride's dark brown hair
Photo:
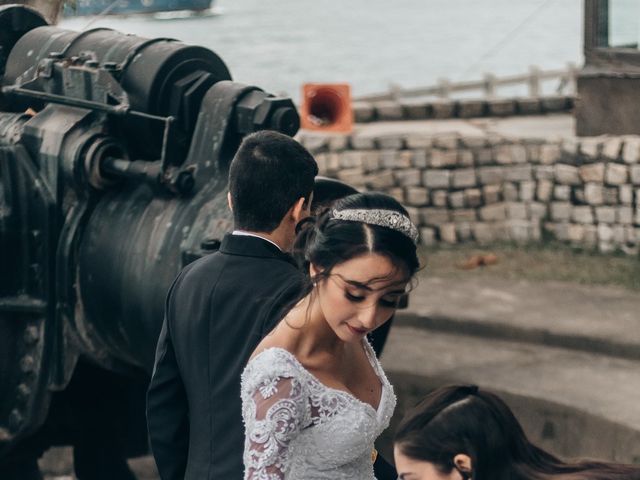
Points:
(462, 419)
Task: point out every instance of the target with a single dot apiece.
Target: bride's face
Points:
(360, 294)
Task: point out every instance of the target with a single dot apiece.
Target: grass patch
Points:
(535, 263)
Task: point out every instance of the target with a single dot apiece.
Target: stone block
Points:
(463, 178)
(501, 107)
(416, 196)
(611, 196)
(388, 110)
(483, 156)
(448, 233)
(518, 154)
(533, 152)
(537, 210)
(443, 158)
(436, 178)
(397, 193)
(636, 219)
(447, 141)
(578, 196)
(414, 214)
(559, 230)
(388, 158)
(420, 158)
(352, 176)
(502, 155)
(522, 231)
(528, 105)
(567, 174)
(616, 174)
(434, 216)
(575, 233)
(611, 148)
(510, 192)
(593, 172)
(635, 174)
(443, 108)
(625, 194)
(606, 214)
(590, 238)
(624, 215)
(409, 177)
(516, 210)
(495, 212)
(618, 234)
(351, 159)
(544, 190)
(337, 142)
(315, 143)
(363, 112)
(491, 194)
(518, 173)
(550, 154)
(363, 142)
(333, 162)
(465, 158)
(380, 181)
(582, 214)
(631, 150)
(428, 236)
(486, 232)
(464, 232)
(471, 108)
(605, 233)
(562, 192)
(473, 141)
(473, 197)
(415, 109)
(464, 215)
(418, 140)
(544, 172)
(560, 211)
(491, 175)
(440, 198)
(371, 160)
(569, 151)
(456, 199)
(390, 142)
(594, 193)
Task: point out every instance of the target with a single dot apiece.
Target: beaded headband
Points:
(383, 218)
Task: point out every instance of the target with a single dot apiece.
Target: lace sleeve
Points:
(274, 413)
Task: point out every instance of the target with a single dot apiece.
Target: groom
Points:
(219, 308)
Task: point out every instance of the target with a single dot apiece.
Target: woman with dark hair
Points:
(461, 432)
(314, 395)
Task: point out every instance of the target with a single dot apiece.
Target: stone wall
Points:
(488, 188)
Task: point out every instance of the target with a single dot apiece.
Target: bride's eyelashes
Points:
(390, 303)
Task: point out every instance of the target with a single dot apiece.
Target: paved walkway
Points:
(565, 356)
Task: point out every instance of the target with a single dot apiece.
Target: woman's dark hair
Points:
(326, 241)
(462, 419)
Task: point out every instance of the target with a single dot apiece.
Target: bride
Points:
(314, 396)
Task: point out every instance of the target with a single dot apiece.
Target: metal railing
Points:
(488, 86)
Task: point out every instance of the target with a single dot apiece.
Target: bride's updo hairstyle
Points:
(356, 225)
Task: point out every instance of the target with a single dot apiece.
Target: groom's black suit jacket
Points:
(217, 311)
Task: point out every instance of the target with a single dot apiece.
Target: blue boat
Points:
(83, 8)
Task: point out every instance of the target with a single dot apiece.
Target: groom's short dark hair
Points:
(268, 174)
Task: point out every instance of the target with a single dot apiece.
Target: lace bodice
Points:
(298, 428)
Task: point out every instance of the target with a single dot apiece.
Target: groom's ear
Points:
(299, 210)
(229, 201)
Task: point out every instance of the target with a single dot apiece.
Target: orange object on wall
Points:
(326, 107)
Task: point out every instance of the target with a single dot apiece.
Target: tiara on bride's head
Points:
(383, 218)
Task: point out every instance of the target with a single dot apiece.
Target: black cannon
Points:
(113, 158)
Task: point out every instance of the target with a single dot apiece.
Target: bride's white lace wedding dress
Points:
(296, 428)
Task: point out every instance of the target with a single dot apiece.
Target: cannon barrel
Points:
(114, 153)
